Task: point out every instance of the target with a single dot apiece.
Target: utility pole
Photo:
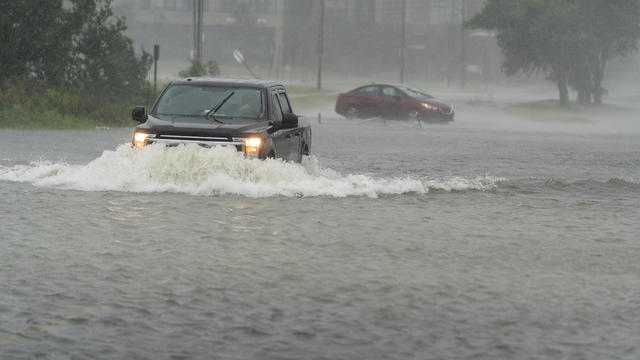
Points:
(276, 60)
(198, 9)
(320, 45)
(156, 55)
(463, 45)
(403, 50)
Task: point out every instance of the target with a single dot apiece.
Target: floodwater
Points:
(488, 238)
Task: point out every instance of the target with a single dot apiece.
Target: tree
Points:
(103, 58)
(614, 27)
(81, 44)
(33, 34)
(568, 40)
(198, 69)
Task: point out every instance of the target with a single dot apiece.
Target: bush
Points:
(32, 104)
(198, 69)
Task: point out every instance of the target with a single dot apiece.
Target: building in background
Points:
(251, 26)
(362, 38)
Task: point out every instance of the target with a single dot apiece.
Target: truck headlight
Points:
(140, 139)
(251, 145)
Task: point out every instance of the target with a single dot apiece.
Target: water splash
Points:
(200, 171)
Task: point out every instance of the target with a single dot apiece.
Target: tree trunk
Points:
(597, 75)
(582, 95)
(563, 90)
(598, 90)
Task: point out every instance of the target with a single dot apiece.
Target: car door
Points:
(294, 135)
(391, 103)
(368, 101)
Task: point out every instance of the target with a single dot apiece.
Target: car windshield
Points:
(416, 93)
(220, 103)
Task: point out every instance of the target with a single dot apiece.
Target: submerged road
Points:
(486, 238)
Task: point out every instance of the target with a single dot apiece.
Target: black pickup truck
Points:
(254, 116)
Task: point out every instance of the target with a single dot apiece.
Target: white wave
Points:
(196, 170)
(484, 183)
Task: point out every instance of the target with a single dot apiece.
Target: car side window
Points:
(390, 92)
(284, 103)
(277, 108)
(369, 91)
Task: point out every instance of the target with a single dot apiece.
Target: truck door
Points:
(280, 139)
(294, 135)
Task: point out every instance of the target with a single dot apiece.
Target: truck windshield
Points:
(223, 103)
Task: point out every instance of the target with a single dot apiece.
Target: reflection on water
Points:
(472, 244)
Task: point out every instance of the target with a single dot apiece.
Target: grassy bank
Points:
(18, 117)
(34, 105)
(312, 101)
(305, 98)
(550, 111)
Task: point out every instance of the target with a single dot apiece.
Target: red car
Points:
(392, 102)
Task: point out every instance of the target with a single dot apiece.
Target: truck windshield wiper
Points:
(217, 107)
(214, 119)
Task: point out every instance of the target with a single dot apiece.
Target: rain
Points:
(326, 179)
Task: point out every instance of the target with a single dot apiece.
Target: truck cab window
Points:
(284, 103)
(277, 108)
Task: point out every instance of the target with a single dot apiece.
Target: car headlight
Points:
(140, 139)
(251, 145)
(430, 107)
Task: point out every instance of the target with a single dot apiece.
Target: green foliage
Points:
(63, 65)
(33, 34)
(198, 69)
(33, 104)
(103, 59)
(568, 40)
(19, 117)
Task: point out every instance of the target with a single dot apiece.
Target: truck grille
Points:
(174, 140)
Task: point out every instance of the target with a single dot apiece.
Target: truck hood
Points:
(199, 126)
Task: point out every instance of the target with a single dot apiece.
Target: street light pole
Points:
(156, 55)
(198, 7)
(403, 50)
(320, 46)
(463, 45)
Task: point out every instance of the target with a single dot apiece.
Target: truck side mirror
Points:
(289, 120)
(139, 114)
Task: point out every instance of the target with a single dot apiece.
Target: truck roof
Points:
(257, 83)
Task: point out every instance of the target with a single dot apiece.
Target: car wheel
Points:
(352, 112)
(414, 116)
